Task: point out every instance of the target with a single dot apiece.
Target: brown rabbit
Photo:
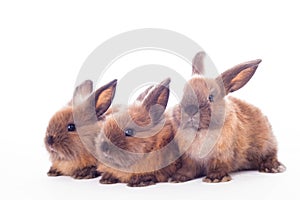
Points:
(68, 152)
(136, 144)
(220, 134)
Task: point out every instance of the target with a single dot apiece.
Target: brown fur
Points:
(128, 159)
(71, 154)
(228, 134)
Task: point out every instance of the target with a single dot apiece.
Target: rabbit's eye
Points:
(71, 127)
(211, 98)
(129, 132)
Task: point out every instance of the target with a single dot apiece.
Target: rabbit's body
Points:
(227, 134)
(135, 144)
(71, 132)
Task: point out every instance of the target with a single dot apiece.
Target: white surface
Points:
(43, 45)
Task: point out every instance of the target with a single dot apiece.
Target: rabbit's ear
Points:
(142, 96)
(236, 77)
(104, 96)
(82, 92)
(198, 65)
(157, 99)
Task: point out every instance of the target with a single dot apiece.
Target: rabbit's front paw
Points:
(86, 173)
(142, 180)
(108, 178)
(217, 178)
(53, 172)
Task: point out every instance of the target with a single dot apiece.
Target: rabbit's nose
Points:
(191, 110)
(104, 146)
(50, 140)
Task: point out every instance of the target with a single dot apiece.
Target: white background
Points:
(43, 45)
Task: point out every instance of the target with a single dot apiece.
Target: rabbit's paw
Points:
(108, 178)
(216, 178)
(54, 172)
(142, 180)
(271, 165)
(86, 173)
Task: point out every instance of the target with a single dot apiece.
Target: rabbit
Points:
(220, 134)
(136, 144)
(68, 150)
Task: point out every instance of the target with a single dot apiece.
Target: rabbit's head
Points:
(62, 138)
(136, 130)
(203, 103)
